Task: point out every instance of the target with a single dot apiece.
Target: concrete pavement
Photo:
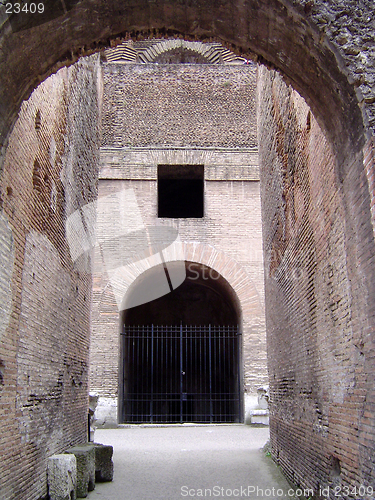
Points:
(177, 462)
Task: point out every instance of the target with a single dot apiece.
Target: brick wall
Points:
(179, 105)
(154, 115)
(318, 241)
(49, 170)
(230, 238)
(322, 423)
(324, 47)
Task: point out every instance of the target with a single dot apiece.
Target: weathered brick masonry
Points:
(184, 114)
(45, 319)
(325, 50)
(179, 105)
(319, 340)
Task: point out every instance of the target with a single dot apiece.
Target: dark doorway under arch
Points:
(181, 353)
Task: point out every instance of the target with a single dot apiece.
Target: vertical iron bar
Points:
(152, 376)
(232, 387)
(232, 367)
(163, 392)
(124, 360)
(143, 339)
(146, 390)
(168, 372)
(141, 345)
(210, 370)
(181, 370)
(228, 361)
(171, 371)
(220, 390)
(133, 372)
(206, 373)
(192, 367)
(134, 369)
(125, 387)
(189, 374)
(177, 365)
(239, 348)
(164, 373)
(196, 377)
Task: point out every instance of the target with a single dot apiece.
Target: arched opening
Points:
(291, 38)
(307, 43)
(181, 353)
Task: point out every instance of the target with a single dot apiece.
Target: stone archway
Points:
(309, 46)
(305, 43)
(189, 342)
(124, 291)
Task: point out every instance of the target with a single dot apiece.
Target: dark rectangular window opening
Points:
(181, 191)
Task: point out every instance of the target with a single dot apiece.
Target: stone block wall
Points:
(49, 171)
(319, 304)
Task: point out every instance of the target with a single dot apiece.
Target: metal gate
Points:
(181, 374)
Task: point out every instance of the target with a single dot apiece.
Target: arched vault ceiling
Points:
(310, 42)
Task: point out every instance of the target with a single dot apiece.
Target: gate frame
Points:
(179, 330)
(245, 296)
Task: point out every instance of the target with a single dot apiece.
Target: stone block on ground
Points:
(260, 417)
(62, 477)
(85, 457)
(103, 462)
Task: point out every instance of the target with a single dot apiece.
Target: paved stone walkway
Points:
(177, 462)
